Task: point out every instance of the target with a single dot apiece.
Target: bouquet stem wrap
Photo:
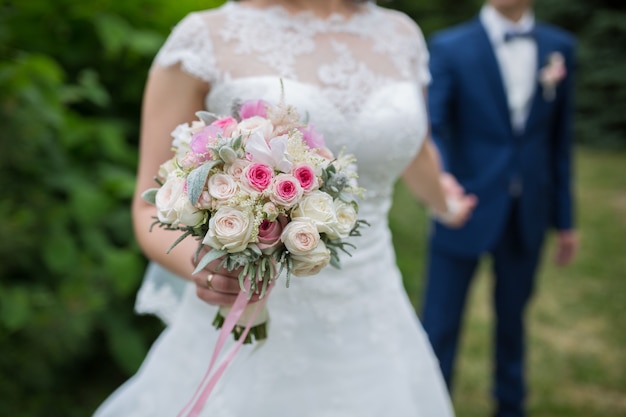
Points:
(257, 317)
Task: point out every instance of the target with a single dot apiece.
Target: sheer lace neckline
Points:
(308, 19)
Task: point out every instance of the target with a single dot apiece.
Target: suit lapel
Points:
(542, 53)
(493, 73)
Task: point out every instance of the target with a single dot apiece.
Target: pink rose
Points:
(252, 108)
(312, 137)
(305, 174)
(258, 176)
(201, 141)
(227, 124)
(189, 161)
(286, 190)
(269, 234)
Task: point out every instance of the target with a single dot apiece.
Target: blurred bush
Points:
(71, 80)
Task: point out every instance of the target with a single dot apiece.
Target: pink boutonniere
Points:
(552, 74)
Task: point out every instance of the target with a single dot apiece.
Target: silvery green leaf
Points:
(228, 155)
(206, 117)
(209, 257)
(150, 195)
(237, 142)
(197, 179)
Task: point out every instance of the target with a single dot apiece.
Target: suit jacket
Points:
(472, 128)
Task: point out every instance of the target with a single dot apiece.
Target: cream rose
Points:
(187, 213)
(253, 125)
(312, 262)
(230, 229)
(319, 207)
(222, 187)
(346, 219)
(300, 236)
(166, 198)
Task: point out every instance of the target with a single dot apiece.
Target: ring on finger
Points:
(209, 278)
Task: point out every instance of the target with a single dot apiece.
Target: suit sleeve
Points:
(562, 136)
(440, 96)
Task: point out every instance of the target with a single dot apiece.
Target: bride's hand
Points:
(460, 204)
(218, 286)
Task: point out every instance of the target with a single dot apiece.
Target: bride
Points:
(343, 343)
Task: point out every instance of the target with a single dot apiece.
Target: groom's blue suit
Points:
(521, 179)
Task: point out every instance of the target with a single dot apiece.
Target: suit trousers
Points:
(449, 278)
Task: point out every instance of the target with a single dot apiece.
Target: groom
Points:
(501, 112)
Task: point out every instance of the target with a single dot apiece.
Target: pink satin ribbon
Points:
(229, 324)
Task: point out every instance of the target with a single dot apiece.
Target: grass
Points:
(577, 318)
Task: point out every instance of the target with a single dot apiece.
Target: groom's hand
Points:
(567, 247)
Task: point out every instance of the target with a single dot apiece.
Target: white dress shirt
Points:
(517, 59)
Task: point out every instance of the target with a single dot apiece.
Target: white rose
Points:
(230, 229)
(253, 125)
(166, 198)
(346, 219)
(222, 187)
(319, 207)
(236, 168)
(187, 213)
(312, 262)
(300, 236)
(167, 168)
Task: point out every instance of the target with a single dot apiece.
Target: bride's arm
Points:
(171, 97)
(423, 177)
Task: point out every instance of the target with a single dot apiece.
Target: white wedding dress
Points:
(344, 343)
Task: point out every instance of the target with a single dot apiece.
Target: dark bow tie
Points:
(511, 35)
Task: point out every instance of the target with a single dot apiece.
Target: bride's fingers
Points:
(219, 289)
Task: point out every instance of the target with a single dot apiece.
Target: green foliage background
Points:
(71, 81)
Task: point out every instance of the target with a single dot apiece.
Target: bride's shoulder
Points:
(205, 19)
(400, 20)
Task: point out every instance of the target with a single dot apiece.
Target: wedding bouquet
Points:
(263, 193)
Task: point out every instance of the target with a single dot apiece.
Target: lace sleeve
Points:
(190, 45)
(421, 71)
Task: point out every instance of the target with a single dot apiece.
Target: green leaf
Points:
(150, 195)
(197, 180)
(209, 257)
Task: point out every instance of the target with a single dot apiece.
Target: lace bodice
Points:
(358, 79)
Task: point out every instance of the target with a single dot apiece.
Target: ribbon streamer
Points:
(230, 322)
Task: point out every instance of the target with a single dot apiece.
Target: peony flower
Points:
(272, 153)
(305, 174)
(319, 207)
(201, 141)
(300, 236)
(312, 137)
(312, 262)
(230, 229)
(251, 108)
(227, 124)
(222, 186)
(257, 176)
(270, 233)
(285, 190)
